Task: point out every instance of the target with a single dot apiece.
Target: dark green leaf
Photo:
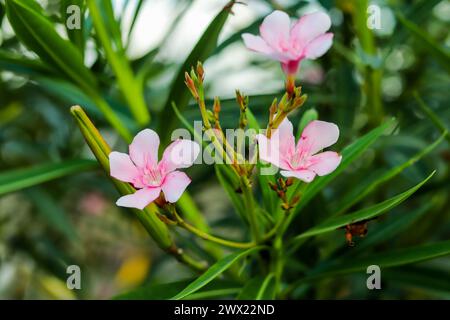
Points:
(383, 260)
(213, 272)
(36, 31)
(360, 215)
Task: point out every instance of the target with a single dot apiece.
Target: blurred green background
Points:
(400, 70)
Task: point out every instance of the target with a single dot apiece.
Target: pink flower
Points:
(142, 169)
(306, 39)
(302, 160)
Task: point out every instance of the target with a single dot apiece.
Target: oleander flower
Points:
(301, 161)
(142, 169)
(306, 39)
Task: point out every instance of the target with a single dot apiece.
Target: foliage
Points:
(388, 94)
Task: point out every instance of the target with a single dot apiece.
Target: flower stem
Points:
(250, 208)
(206, 236)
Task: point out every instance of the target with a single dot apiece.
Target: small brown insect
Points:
(359, 228)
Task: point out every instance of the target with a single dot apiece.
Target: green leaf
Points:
(20, 65)
(360, 215)
(68, 12)
(52, 212)
(18, 179)
(437, 121)
(217, 293)
(154, 292)
(128, 84)
(425, 278)
(37, 32)
(349, 155)
(166, 290)
(213, 272)
(441, 54)
(179, 94)
(259, 288)
(383, 260)
(390, 228)
(359, 191)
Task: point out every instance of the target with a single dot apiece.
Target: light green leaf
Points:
(213, 272)
(18, 179)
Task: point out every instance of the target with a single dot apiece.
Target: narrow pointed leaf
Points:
(213, 272)
(360, 215)
(18, 179)
(384, 260)
(38, 33)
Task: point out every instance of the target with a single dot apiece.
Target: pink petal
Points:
(174, 185)
(318, 46)
(256, 43)
(179, 154)
(286, 135)
(304, 175)
(121, 167)
(268, 151)
(325, 162)
(144, 148)
(316, 136)
(309, 27)
(140, 199)
(275, 29)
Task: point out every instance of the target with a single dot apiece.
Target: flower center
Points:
(152, 177)
(299, 160)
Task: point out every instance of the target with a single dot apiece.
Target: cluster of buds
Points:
(278, 111)
(194, 81)
(242, 101)
(281, 188)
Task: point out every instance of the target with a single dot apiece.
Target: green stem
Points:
(372, 75)
(207, 236)
(250, 208)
